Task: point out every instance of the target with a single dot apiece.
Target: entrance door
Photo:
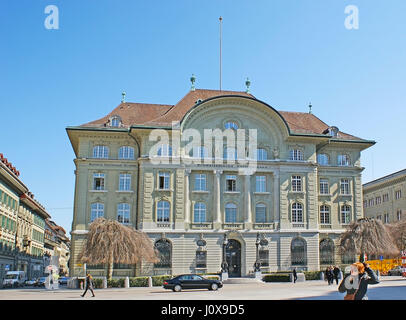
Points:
(233, 256)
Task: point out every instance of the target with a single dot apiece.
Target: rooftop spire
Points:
(123, 96)
(248, 83)
(310, 107)
(192, 80)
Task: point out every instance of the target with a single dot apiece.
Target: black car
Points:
(191, 281)
(396, 271)
(40, 282)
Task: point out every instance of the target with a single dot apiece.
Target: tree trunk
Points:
(110, 268)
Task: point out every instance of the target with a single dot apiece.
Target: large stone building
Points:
(385, 198)
(287, 206)
(22, 226)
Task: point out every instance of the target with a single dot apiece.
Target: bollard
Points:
(104, 283)
(150, 282)
(126, 282)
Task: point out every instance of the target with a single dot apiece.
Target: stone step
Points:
(241, 280)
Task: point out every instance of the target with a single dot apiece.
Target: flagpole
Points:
(220, 19)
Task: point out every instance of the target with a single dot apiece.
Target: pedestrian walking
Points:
(355, 284)
(294, 275)
(336, 273)
(89, 284)
(328, 275)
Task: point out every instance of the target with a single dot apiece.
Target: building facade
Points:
(56, 247)
(385, 198)
(281, 198)
(22, 221)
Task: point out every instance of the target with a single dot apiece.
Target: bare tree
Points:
(398, 232)
(368, 236)
(109, 242)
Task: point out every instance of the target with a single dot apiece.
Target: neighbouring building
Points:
(22, 226)
(56, 246)
(288, 212)
(385, 198)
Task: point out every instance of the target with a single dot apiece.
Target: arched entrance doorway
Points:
(233, 257)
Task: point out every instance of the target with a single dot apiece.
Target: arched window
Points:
(322, 159)
(123, 213)
(164, 249)
(230, 154)
(126, 152)
(231, 125)
(200, 152)
(326, 251)
(163, 211)
(199, 211)
(115, 121)
(231, 213)
(325, 214)
(101, 152)
(298, 252)
(262, 154)
(260, 213)
(165, 150)
(297, 212)
(96, 211)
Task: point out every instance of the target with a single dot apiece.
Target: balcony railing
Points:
(233, 226)
(202, 225)
(264, 225)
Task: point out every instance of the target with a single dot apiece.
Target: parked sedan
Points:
(396, 271)
(191, 281)
(63, 280)
(30, 282)
(40, 282)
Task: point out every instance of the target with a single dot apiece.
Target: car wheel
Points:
(214, 286)
(177, 288)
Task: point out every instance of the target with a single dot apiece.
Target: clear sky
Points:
(293, 51)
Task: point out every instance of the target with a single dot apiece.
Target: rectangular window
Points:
(260, 213)
(163, 180)
(296, 155)
(385, 197)
(371, 202)
(324, 188)
(123, 213)
(345, 214)
(260, 183)
(231, 183)
(399, 215)
(386, 218)
(345, 186)
(378, 200)
(343, 160)
(163, 211)
(200, 182)
(322, 159)
(101, 152)
(379, 217)
(296, 183)
(264, 257)
(201, 259)
(98, 181)
(124, 182)
(398, 194)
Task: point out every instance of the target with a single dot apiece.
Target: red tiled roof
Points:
(163, 115)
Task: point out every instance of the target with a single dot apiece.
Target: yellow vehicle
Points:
(384, 265)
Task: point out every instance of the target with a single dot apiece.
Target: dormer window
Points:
(332, 131)
(115, 121)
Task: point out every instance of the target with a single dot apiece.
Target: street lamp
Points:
(224, 265)
(257, 264)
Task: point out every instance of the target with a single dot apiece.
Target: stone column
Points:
(247, 204)
(276, 197)
(216, 199)
(187, 198)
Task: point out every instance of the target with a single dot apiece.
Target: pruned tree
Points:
(368, 236)
(398, 232)
(109, 242)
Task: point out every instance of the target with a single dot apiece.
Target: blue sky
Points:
(293, 51)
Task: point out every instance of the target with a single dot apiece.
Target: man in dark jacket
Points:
(336, 273)
(89, 284)
(357, 281)
(294, 275)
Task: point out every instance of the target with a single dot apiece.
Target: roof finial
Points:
(248, 83)
(123, 96)
(310, 107)
(192, 80)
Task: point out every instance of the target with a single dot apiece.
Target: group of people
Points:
(332, 273)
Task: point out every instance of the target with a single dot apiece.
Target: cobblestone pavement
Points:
(390, 288)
